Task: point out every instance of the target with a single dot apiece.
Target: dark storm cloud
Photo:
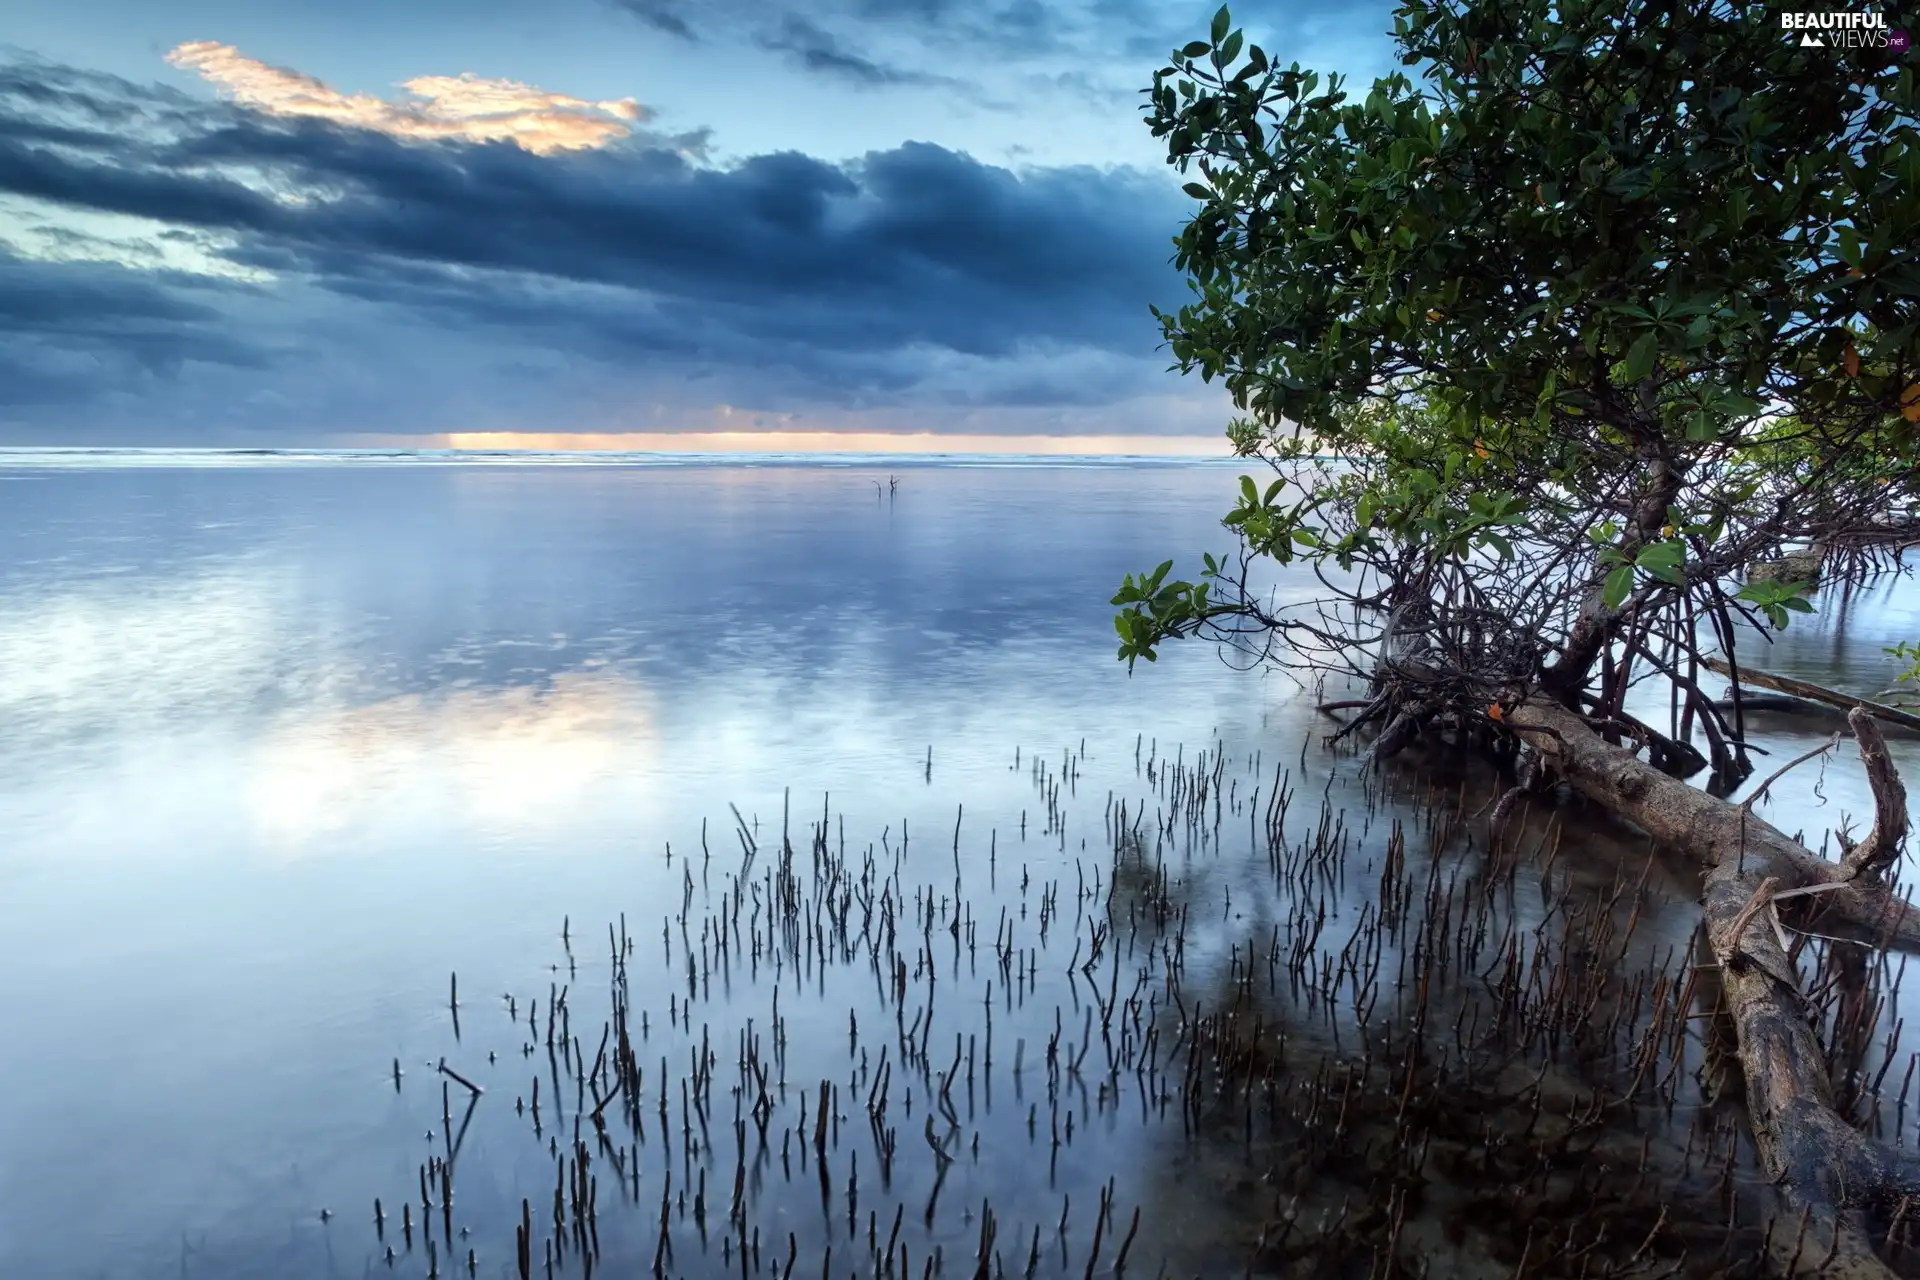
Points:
(42, 93)
(92, 297)
(70, 329)
(837, 275)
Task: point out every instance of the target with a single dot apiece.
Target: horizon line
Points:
(837, 442)
(698, 443)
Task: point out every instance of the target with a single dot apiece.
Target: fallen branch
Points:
(1824, 1164)
(1709, 829)
(1750, 701)
(1816, 693)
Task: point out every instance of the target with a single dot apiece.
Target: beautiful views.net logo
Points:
(1846, 31)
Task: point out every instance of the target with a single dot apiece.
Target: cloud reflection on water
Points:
(511, 757)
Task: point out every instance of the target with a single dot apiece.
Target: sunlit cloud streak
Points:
(463, 108)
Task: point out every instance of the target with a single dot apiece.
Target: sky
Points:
(603, 223)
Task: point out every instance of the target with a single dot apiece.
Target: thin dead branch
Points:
(1815, 693)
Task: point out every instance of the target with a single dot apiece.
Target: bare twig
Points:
(1727, 945)
(448, 1071)
(1761, 790)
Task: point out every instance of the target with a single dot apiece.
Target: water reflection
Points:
(280, 748)
(510, 759)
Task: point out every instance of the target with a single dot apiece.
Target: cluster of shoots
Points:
(1227, 1039)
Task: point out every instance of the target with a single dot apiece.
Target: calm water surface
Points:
(283, 746)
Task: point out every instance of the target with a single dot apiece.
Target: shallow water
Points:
(283, 747)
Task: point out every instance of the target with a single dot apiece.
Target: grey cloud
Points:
(782, 276)
(661, 15)
(799, 38)
(1108, 36)
(74, 329)
(817, 50)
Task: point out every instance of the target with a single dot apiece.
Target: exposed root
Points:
(1400, 731)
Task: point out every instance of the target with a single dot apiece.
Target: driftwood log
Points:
(1754, 875)
(1815, 693)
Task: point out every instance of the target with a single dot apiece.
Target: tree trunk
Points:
(1824, 1165)
(1597, 625)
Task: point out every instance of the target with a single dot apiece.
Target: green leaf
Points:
(1849, 246)
(1230, 49)
(1640, 356)
(1249, 491)
(1661, 555)
(1499, 544)
(1197, 191)
(1221, 22)
(1195, 49)
(1619, 586)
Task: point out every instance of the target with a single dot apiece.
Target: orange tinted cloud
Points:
(466, 108)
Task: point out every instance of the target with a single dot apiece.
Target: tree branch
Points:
(1815, 693)
(1882, 845)
(1759, 792)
